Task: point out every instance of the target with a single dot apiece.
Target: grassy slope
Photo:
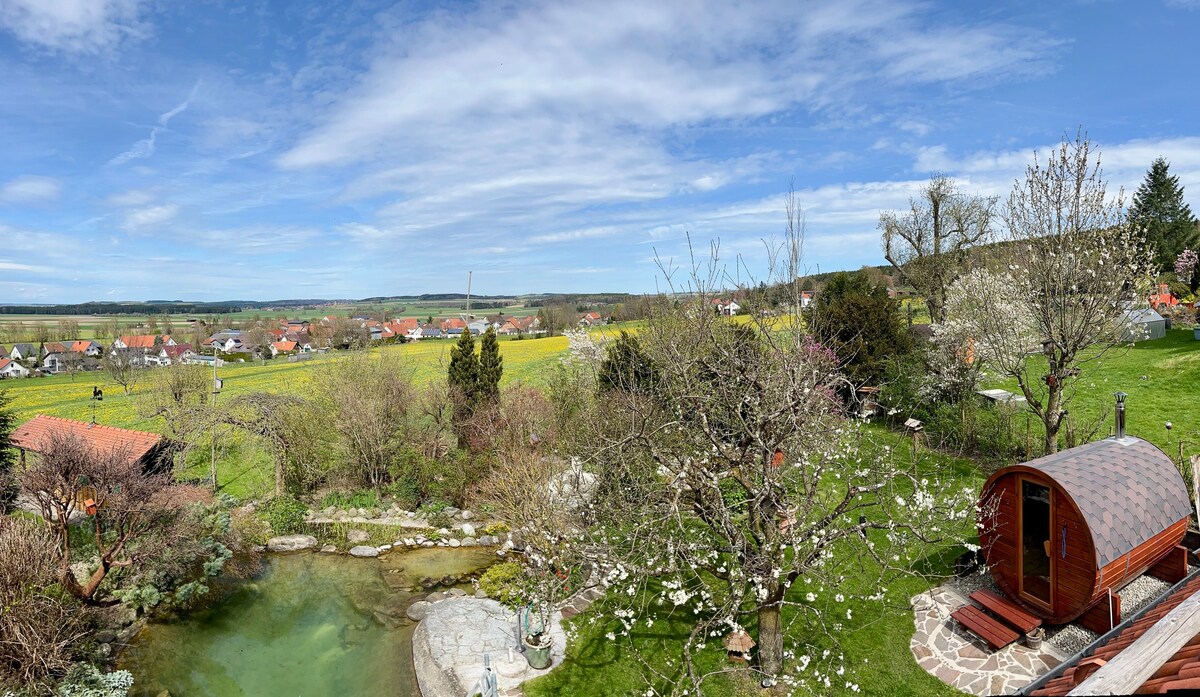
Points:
(1160, 377)
(244, 470)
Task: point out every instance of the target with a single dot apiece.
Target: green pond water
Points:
(311, 625)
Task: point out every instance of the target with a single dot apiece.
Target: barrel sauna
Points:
(1061, 531)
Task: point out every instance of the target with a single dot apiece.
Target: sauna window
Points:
(1035, 541)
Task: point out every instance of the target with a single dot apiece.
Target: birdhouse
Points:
(738, 644)
(777, 458)
(90, 506)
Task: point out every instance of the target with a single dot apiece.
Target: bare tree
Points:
(1063, 287)
(258, 340)
(271, 417)
(928, 244)
(72, 363)
(126, 503)
(67, 329)
(369, 401)
(179, 395)
(124, 366)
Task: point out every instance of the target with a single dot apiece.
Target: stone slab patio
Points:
(450, 642)
(962, 660)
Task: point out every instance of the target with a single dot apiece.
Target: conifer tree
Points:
(1159, 208)
(464, 368)
(491, 366)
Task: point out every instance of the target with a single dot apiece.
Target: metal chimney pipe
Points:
(1120, 414)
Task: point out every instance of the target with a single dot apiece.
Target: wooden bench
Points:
(986, 627)
(1006, 610)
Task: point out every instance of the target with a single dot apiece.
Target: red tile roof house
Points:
(150, 449)
(178, 353)
(591, 319)
(284, 347)
(11, 369)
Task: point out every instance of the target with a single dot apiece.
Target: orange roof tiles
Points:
(1177, 673)
(143, 342)
(35, 434)
(285, 346)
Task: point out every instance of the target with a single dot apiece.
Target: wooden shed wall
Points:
(1077, 581)
(1074, 576)
(1129, 566)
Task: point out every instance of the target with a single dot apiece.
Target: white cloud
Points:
(14, 266)
(145, 146)
(30, 188)
(150, 217)
(73, 26)
(134, 197)
(494, 127)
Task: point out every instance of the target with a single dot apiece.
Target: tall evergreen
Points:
(464, 368)
(8, 455)
(491, 366)
(1158, 206)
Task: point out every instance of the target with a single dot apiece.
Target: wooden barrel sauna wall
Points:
(1060, 531)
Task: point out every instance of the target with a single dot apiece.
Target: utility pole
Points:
(216, 389)
(469, 300)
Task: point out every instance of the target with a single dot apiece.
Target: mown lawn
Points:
(1161, 377)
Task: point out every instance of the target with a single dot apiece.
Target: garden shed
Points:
(1143, 324)
(1063, 533)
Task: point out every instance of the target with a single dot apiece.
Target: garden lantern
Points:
(738, 644)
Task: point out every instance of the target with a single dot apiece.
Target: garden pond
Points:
(310, 625)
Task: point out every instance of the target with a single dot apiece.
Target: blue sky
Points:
(215, 150)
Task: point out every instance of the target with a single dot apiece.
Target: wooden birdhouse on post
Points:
(738, 643)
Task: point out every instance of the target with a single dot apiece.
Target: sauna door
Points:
(1036, 561)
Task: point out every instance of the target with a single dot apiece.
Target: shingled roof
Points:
(33, 435)
(1127, 490)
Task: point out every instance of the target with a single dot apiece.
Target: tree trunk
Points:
(1053, 417)
(770, 639)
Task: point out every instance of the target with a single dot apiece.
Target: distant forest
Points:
(120, 309)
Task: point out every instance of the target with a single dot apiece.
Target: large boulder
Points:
(468, 530)
(364, 551)
(291, 543)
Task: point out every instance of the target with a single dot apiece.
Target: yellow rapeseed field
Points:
(524, 361)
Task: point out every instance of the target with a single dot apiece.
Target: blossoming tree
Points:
(1061, 287)
(730, 487)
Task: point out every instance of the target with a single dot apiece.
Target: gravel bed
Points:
(1140, 592)
(976, 580)
(1070, 638)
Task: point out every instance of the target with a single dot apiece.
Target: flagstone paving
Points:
(964, 661)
